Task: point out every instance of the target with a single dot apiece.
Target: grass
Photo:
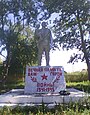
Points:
(11, 85)
(81, 108)
(76, 76)
(84, 86)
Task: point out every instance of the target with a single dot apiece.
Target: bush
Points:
(76, 76)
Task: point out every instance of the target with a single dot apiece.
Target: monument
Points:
(44, 41)
(44, 79)
(43, 83)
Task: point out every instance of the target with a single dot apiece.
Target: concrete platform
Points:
(17, 97)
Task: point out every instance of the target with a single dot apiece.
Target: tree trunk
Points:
(8, 59)
(88, 69)
(84, 50)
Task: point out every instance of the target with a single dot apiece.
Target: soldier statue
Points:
(44, 41)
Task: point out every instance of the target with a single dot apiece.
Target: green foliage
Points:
(1, 70)
(14, 17)
(5, 111)
(76, 76)
(12, 82)
(81, 108)
(78, 80)
(66, 26)
(21, 49)
(72, 26)
(84, 86)
(24, 52)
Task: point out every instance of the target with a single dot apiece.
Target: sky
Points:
(60, 58)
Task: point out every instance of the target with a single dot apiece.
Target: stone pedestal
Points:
(44, 79)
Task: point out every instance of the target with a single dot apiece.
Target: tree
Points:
(72, 26)
(21, 49)
(13, 14)
(24, 52)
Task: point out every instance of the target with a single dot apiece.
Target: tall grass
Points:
(76, 76)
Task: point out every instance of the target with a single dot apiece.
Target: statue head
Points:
(44, 24)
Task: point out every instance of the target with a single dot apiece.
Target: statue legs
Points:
(40, 51)
(47, 50)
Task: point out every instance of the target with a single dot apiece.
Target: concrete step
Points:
(17, 97)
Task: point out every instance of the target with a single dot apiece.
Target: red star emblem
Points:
(44, 77)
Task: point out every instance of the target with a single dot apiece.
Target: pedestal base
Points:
(17, 97)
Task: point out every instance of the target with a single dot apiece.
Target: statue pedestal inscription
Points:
(44, 79)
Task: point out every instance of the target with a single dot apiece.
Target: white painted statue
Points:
(44, 40)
